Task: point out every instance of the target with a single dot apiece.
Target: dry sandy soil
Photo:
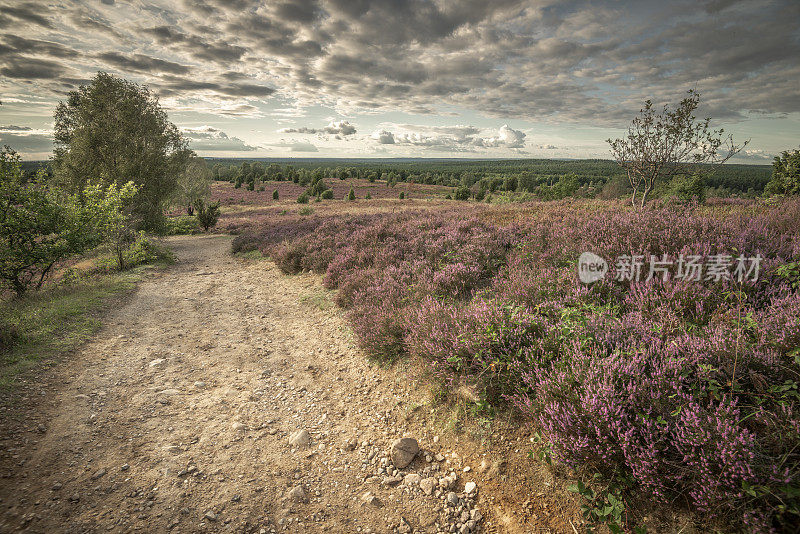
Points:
(178, 417)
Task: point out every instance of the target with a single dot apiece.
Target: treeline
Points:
(545, 178)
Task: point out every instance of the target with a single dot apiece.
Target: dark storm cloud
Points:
(535, 60)
(142, 63)
(28, 68)
(18, 44)
(27, 12)
(175, 85)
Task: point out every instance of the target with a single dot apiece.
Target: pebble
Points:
(297, 494)
(211, 516)
(469, 487)
(157, 362)
(301, 438)
(239, 427)
(99, 473)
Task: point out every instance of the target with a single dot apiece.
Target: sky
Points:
(409, 78)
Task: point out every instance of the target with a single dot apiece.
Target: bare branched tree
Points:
(661, 145)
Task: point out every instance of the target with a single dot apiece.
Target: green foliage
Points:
(41, 226)
(480, 194)
(785, 175)
(791, 273)
(182, 225)
(327, 194)
(402, 195)
(207, 215)
(688, 188)
(303, 198)
(461, 193)
(604, 506)
(275, 195)
(193, 183)
(113, 130)
(351, 195)
(308, 210)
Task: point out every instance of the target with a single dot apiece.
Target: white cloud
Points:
(506, 137)
(211, 139)
(333, 128)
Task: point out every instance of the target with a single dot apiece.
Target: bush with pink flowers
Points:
(689, 389)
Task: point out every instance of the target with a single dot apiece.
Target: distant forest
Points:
(591, 176)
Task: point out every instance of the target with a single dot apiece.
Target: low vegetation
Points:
(686, 391)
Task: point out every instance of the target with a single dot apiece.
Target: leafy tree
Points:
(207, 215)
(193, 183)
(661, 145)
(41, 226)
(113, 130)
(785, 175)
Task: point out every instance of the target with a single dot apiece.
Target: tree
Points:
(113, 130)
(275, 195)
(662, 145)
(193, 183)
(785, 174)
(351, 195)
(207, 215)
(41, 226)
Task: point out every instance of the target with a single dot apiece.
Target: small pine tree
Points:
(402, 195)
(303, 198)
(327, 194)
(207, 216)
(275, 195)
(351, 195)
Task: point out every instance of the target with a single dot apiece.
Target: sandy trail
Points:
(177, 417)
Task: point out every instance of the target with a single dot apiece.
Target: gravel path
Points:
(226, 397)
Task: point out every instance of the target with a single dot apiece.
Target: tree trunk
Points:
(633, 198)
(644, 195)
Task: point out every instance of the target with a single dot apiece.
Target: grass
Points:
(58, 319)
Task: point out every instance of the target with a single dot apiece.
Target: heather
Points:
(684, 391)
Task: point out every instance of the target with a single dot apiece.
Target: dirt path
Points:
(178, 417)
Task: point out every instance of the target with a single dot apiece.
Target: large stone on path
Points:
(403, 451)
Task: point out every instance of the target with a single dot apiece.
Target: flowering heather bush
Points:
(688, 388)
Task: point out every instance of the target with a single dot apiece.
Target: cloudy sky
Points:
(400, 78)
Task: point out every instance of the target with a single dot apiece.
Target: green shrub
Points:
(462, 193)
(688, 188)
(303, 198)
(402, 195)
(275, 195)
(207, 216)
(448, 197)
(327, 194)
(351, 195)
(367, 196)
(41, 226)
(308, 210)
(182, 225)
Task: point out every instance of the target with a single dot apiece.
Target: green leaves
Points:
(41, 226)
